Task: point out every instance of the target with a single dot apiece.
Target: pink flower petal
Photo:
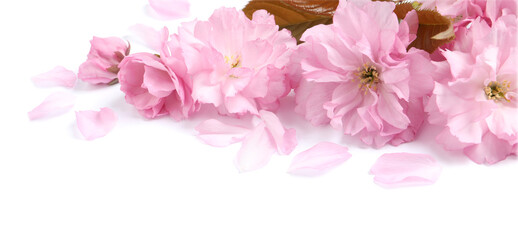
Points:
(405, 169)
(150, 37)
(256, 150)
(319, 159)
(219, 134)
(55, 104)
(59, 76)
(95, 124)
(173, 9)
(285, 139)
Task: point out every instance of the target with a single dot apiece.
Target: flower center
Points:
(369, 77)
(496, 91)
(234, 61)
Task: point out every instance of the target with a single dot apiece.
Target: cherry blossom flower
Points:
(358, 76)
(235, 63)
(158, 84)
(478, 106)
(105, 54)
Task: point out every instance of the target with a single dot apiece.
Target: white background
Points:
(155, 180)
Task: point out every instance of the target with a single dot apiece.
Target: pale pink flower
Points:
(105, 54)
(478, 106)
(235, 63)
(358, 76)
(158, 85)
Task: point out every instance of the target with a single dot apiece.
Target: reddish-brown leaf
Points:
(296, 15)
(299, 15)
(434, 31)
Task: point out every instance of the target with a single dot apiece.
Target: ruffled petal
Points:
(319, 159)
(55, 104)
(158, 82)
(405, 169)
(59, 76)
(219, 134)
(95, 124)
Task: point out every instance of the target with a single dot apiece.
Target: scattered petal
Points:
(284, 139)
(319, 159)
(95, 124)
(59, 76)
(405, 169)
(55, 104)
(219, 134)
(172, 9)
(256, 151)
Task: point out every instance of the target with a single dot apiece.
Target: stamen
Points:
(369, 78)
(233, 61)
(496, 91)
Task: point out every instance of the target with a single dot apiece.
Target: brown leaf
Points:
(295, 15)
(434, 31)
(299, 15)
(402, 9)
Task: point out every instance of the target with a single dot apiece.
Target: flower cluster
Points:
(231, 62)
(358, 76)
(361, 75)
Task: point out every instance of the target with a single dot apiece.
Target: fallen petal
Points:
(319, 159)
(54, 105)
(59, 76)
(219, 134)
(256, 151)
(405, 169)
(95, 124)
(172, 9)
(285, 139)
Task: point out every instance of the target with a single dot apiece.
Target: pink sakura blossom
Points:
(105, 54)
(235, 63)
(358, 76)
(478, 106)
(158, 85)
